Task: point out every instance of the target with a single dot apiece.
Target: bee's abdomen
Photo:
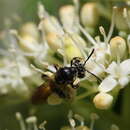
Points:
(41, 94)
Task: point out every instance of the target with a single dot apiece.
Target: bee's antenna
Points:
(88, 70)
(100, 80)
(88, 57)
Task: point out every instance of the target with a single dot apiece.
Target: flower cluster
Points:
(57, 42)
(31, 122)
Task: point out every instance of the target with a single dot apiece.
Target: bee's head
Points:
(77, 62)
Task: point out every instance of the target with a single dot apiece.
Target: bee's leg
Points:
(59, 92)
(56, 66)
(47, 75)
(71, 62)
(75, 86)
(99, 80)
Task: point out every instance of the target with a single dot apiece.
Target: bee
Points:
(63, 80)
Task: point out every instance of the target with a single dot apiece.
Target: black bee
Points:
(62, 83)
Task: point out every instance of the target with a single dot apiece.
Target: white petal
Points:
(112, 67)
(123, 81)
(107, 84)
(125, 67)
(52, 68)
(24, 70)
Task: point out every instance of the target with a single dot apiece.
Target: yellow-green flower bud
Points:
(54, 99)
(71, 50)
(117, 47)
(103, 100)
(29, 29)
(79, 39)
(53, 41)
(89, 15)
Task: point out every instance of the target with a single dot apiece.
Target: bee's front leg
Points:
(47, 75)
(75, 84)
(56, 66)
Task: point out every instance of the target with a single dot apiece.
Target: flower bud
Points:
(66, 128)
(77, 128)
(89, 14)
(79, 39)
(114, 127)
(31, 119)
(50, 24)
(3, 90)
(103, 100)
(68, 17)
(71, 50)
(54, 99)
(67, 13)
(18, 116)
(28, 43)
(82, 128)
(53, 41)
(118, 47)
(29, 29)
(120, 19)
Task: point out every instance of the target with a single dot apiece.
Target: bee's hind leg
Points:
(60, 92)
(75, 84)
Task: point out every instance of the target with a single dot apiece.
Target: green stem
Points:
(86, 94)
(126, 106)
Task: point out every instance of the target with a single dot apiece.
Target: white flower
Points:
(119, 75)
(102, 51)
(12, 73)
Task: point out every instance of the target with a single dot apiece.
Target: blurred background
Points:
(26, 10)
